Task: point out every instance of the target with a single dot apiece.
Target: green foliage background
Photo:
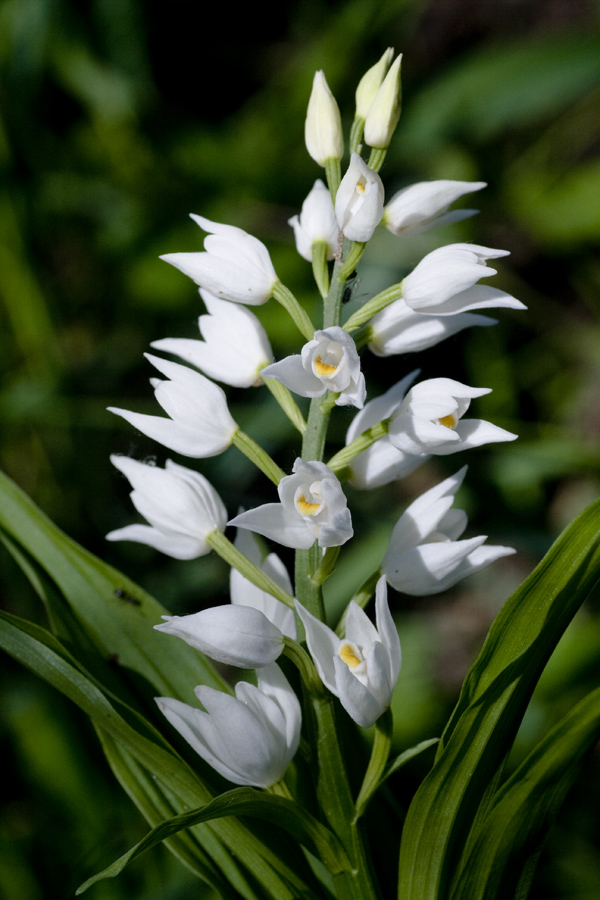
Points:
(118, 118)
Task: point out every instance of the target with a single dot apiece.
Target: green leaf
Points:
(244, 802)
(495, 694)
(115, 614)
(240, 855)
(407, 755)
(526, 806)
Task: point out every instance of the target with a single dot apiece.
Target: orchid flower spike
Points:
(244, 593)
(362, 668)
(233, 265)
(182, 507)
(359, 201)
(313, 508)
(200, 424)
(329, 362)
(235, 346)
(444, 282)
(381, 463)
(422, 206)
(429, 420)
(239, 636)
(316, 223)
(424, 555)
(249, 739)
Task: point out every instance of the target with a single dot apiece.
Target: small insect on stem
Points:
(128, 598)
(351, 284)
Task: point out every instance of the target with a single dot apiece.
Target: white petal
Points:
(272, 521)
(480, 296)
(360, 704)
(179, 546)
(323, 645)
(291, 372)
(474, 433)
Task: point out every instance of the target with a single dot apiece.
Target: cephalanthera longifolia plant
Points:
(277, 747)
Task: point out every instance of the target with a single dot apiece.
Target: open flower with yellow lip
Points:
(359, 201)
(313, 508)
(429, 420)
(329, 362)
(363, 667)
(424, 555)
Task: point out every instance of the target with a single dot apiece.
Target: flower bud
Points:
(359, 201)
(370, 83)
(239, 636)
(323, 127)
(384, 112)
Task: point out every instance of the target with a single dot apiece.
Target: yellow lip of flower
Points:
(305, 508)
(347, 655)
(447, 421)
(324, 370)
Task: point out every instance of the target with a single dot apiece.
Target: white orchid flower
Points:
(362, 668)
(329, 362)
(316, 223)
(323, 128)
(384, 111)
(244, 593)
(381, 463)
(182, 507)
(239, 636)
(200, 424)
(422, 206)
(398, 329)
(249, 739)
(235, 346)
(359, 201)
(444, 282)
(424, 555)
(429, 420)
(313, 508)
(234, 265)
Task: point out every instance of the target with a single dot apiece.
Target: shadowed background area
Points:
(118, 120)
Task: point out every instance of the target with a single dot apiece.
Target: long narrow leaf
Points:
(493, 700)
(526, 806)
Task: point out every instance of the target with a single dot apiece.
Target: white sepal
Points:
(200, 424)
(244, 593)
(424, 555)
(249, 739)
(181, 506)
(316, 222)
(329, 362)
(313, 507)
(422, 206)
(398, 329)
(239, 636)
(323, 127)
(234, 265)
(235, 346)
(362, 668)
(359, 201)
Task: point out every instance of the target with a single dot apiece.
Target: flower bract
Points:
(313, 508)
(362, 668)
(182, 507)
(424, 555)
(249, 739)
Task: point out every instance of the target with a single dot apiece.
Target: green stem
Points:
(280, 789)
(258, 456)
(285, 398)
(320, 267)
(305, 666)
(373, 306)
(234, 557)
(380, 753)
(360, 443)
(351, 261)
(376, 158)
(333, 173)
(326, 566)
(301, 318)
(356, 134)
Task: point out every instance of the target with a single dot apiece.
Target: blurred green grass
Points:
(117, 120)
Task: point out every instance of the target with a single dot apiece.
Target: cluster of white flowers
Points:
(252, 737)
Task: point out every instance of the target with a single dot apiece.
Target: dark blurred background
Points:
(118, 118)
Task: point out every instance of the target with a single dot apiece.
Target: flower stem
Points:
(305, 666)
(333, 173)
(320, 267)
(360, 443)
(350, 263)
(380, 753)
(356, 134)
(230, 553)
(326, 566)
(258, 456)
(297, 312)
(284, 397)
(373, 306)
(376, 158)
